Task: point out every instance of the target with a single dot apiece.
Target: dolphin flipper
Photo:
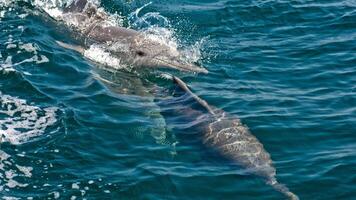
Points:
(77, 48)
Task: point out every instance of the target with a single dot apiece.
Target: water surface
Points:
(285, 68)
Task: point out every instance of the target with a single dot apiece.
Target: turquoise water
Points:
(71, 129)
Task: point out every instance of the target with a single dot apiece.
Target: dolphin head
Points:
(142, 51)
(154, 53)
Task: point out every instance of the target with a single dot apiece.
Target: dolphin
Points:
(131, 47)
(233, 140)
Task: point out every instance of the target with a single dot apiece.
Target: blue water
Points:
(285, 68)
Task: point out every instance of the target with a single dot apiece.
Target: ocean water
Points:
(74, 128)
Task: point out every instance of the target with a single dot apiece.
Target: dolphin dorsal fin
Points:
(201, 101)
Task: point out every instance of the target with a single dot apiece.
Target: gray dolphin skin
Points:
(234, 141)
(130, 46)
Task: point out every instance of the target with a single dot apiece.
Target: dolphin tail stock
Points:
(72, 47)
(282, 189)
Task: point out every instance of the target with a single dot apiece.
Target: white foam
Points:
(5, 3)
(10, 198)
(56, 195)
(36, 59)
(8, 175)
(115, 19)
(75, 186)
(22, 16)
(11, 183)
(8, 65)
(29, 47)
(25, 170)
(11, 46)
(22, 28)
(100, 55)
(52, 8)
(22, 121)
(2, 14)
(3, 156)
(166, 76)
(41, 59)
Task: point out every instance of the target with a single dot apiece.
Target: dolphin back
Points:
(235, 142)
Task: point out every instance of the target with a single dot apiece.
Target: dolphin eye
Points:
(140, 53)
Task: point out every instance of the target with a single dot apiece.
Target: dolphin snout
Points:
(182, 66)
(192, 68)
(188, 68)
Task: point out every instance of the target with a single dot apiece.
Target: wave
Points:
(21, 121)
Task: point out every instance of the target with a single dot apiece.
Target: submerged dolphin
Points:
(131, 47)
(234, 141)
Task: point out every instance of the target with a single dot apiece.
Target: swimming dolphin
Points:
(131, 47)
(235, 142)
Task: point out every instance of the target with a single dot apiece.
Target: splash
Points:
(148, 19)
(21, 122)
(2, 14)
(159, 28)
(5, 3)
(11, 172)
(99, 54)
(51, 7)
(9, 66)
(54, 8)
